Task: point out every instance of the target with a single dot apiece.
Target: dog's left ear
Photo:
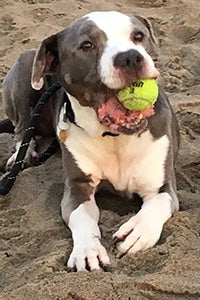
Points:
(45, 61)
(148, 25)
(154, 43)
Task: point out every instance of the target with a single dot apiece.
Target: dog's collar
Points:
(69, 113)
(108, 133)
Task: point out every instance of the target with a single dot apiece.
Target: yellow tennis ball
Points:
(139, 95)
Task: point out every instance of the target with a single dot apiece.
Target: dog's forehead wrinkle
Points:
(82, 30)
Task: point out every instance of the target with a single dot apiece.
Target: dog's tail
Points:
(6, 126)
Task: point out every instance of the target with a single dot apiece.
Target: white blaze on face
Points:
(118, 29)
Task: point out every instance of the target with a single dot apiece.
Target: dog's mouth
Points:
(118, 119)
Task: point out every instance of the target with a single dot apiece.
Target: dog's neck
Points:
(84, 117)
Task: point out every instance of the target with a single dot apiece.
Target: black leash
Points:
(7, 182)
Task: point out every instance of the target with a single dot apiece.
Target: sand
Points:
(34, 242)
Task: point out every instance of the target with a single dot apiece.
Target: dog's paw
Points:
(88, 255)
(143, 230)
(137, 234)
(31, 158)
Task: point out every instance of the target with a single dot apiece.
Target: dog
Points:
(93, 58)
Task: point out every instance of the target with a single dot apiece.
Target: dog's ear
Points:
(154, 49)
(45, 61)
(148, 25)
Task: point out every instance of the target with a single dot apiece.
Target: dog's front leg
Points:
(81, 214)
(88, 251)
(143, 230)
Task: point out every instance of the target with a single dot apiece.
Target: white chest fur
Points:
(131, 163)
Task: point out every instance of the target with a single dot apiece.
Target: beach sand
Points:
(34, 241)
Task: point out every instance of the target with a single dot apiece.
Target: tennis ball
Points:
(140, 95)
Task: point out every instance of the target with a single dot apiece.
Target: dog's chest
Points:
(130, 163)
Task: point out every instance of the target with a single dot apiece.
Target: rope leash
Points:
(7, 182)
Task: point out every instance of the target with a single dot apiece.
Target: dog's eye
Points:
(87, 45)
(138, 36)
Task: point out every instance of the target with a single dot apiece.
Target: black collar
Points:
(69, 113)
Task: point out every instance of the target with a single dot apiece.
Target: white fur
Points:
(131, 163)
(86, 238)
(143, 230)
(62, 125)
(118, 29)
(113, 23)
(86, 118)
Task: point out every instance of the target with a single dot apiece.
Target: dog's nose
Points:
(130, 59)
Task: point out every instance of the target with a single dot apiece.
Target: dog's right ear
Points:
(45, 61)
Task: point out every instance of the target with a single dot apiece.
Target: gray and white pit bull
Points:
(93, 58)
